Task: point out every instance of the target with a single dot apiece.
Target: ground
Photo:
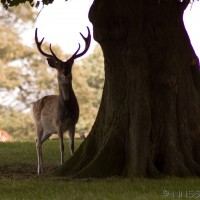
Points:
(18, 179)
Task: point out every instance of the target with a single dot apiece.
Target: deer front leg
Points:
(61, 148)
(71, 139)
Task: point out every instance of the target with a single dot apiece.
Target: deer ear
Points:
(52, 62)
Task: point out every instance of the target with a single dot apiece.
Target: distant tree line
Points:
(25, 77)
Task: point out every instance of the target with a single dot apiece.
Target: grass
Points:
(20, 159)
(18, 180)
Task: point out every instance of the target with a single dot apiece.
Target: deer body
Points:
(56, 114)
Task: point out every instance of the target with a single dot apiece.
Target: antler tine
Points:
(39, 45)
(72, 57)
(54, 55)
(87, 45)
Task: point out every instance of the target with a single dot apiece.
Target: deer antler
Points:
(39, 44)
(74, 56)
(87, 45)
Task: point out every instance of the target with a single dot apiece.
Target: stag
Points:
(56, 114)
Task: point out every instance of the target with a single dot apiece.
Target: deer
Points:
(57, 114)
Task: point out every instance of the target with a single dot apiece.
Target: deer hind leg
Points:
(40, 168)
(71, 139)
(39, 141)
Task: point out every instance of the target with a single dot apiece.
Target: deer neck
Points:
(66, 92)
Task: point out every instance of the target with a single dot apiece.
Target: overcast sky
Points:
(65, 20)
(61, 22)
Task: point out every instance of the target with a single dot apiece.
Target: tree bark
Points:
(148, 124)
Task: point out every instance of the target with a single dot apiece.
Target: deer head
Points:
(63, 68)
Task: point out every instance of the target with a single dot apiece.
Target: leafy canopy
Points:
(36, 3)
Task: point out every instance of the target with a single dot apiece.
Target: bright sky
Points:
(192, 24)
(61, 22)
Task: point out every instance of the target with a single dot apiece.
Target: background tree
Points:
(19, 62)
(13, 54)
(26, 77)
(93, 70)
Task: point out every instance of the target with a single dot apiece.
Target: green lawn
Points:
(18, 180)
(20, 159)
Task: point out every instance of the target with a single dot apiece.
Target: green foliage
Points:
(40, 81)
(20, 14)
(10, 46)
(93, 71)
(36, 3)
(10, 3)
(19, 125)
(23, 13)
(26, 77)
(94, 64)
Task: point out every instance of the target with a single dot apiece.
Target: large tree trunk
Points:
(148, 123)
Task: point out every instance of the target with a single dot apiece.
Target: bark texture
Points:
(148, 124)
